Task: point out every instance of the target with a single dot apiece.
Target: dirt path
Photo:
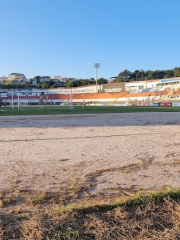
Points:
(125, 151)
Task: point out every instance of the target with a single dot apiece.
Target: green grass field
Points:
(51, 110)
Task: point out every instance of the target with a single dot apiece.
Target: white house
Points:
(44, 79)
(17, 78)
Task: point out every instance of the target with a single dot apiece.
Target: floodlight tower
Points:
(96, 66)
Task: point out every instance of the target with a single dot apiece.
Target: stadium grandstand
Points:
(117, 94)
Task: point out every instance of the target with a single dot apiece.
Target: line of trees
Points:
(51, 84)
(85, 82)
(44, 85)
(141, 75)
(14, 86)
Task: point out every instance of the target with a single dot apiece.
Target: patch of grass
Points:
(23, 216)
(136, 199)
(8, 198)
(37, 110)
(39, 199)
(75, 187)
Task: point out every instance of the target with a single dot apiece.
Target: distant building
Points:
(17, 78)
(3, 80)
(58, 83)
(66, 79)
(44, 79)
(34, 82)
(57, 77)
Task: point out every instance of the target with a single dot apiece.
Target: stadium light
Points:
(96, 66)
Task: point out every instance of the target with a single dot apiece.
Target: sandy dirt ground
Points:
(128, 151)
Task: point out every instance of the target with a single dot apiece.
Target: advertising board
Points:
(144, 104)
(113, 87)
(121, 104)
(165, 104)
(176, 104)
(154, 104)
(3, 95)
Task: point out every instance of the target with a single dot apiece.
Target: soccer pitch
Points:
(53, 110)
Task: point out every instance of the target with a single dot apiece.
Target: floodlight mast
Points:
(96, 66)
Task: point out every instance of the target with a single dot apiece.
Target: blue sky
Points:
(65, 37)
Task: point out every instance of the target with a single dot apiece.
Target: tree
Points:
(71, 84)
(46, 85)
(158, 74)
(168, 74)
(150, 74)
(142, 74)
(38, 86)
(177, 72)
(102, 81)
(31, 80)
(124, 76)
(5, 85)
(37, 78)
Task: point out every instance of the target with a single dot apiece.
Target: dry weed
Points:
(154, 217)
